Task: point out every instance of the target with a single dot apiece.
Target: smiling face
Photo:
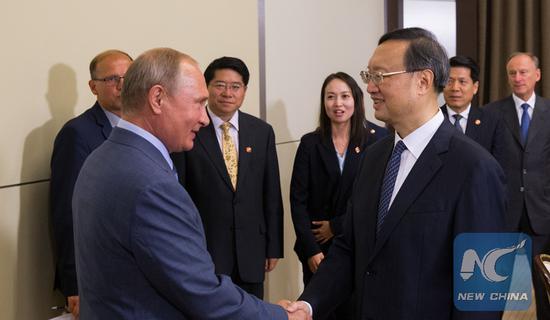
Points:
(460, 89)
(392, 97)
(184, 112)
(523, 75)
(226, 92)
(339, 102)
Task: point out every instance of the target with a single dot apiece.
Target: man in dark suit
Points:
(432, 183)
(140, 246)
(233, 178)
(527, 165)
(76, 140)
(483, 126)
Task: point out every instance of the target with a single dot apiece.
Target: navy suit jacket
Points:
(527, 166)
(319, 191)
(406, 271)
(486, 128)
(140, 247)
(243, 227)
(76, 140)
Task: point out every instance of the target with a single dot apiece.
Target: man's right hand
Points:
(73, 303)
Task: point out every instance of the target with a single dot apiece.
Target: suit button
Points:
(524, 171)
(370, 273)
(521, 189)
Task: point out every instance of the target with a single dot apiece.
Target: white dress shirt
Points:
(233, 130)
(464, 120)
(518, 102)
(415, 142)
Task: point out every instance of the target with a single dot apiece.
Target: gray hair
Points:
(529, 54)
(424, 52)
(160, 66)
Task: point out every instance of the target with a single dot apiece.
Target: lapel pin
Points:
(477, 122)
(372, 131)
(357, 150)
(248, 149)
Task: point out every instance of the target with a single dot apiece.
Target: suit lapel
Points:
(207, 139)
(369, 185)
(473, 127)
(247, 147)
(421, 174)
(541, 117)
(327, 153)
(511, 118)
(102, 120)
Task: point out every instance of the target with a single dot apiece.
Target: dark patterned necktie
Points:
(389, 182)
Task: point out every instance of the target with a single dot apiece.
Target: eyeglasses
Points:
(378, 77)
(233, 87)
(110, 80)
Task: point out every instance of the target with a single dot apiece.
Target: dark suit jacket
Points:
(486, 128)
(527, 167)
(140, 247)
(76, 140)
(406, 271)
(245, 226)
(318, 191)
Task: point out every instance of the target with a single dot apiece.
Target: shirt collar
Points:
(518, 101)
(417, 140)
(149, 137)
(464, 113)
(113, 118)
(217, 121)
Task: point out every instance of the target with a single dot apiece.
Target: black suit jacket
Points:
(76, 140)
(245, 226)
(527, 166)
(406, 271)
(318, 191)
(486, 128)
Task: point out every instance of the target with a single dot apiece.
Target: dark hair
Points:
(101, 56)
(232, 63)
(358, 121)
(424, 52)
(466, 62)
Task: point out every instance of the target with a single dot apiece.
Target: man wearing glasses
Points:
(76, 140)
(416, 190)
(232, 175)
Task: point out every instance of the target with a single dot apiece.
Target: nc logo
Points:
(487, 266)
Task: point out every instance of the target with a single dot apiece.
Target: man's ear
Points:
(425, 81)
(156, 98)
(92, 85)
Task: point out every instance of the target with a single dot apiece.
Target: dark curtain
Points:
(490, 30)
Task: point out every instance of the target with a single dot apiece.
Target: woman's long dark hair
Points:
(358, 122)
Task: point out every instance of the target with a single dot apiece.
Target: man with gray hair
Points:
(527, 160)
(416, 190)
(140, 246)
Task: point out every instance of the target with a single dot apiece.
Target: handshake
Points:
(298, 310)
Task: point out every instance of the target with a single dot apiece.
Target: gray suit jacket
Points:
(527, 166)
(140, 247)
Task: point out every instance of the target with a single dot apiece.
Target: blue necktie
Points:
(457, 122)
(389, 182)
(525, 120)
